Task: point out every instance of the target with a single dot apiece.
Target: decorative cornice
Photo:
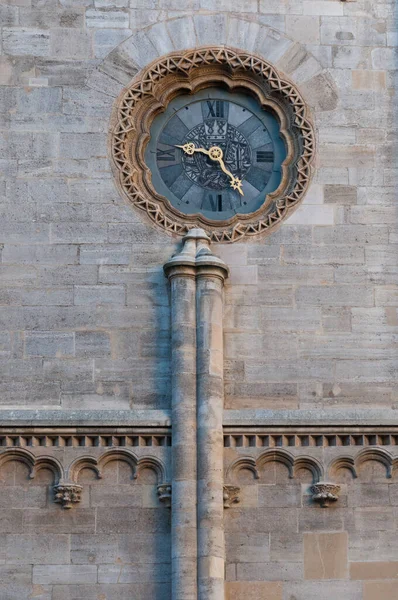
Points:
(179, 72)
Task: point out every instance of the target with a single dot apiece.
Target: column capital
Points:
(196, 258)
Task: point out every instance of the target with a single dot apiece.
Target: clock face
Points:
(215, 153)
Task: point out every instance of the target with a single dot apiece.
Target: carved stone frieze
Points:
(325, 493)
(67, 494)
(231, 495)
(164, 494)
(187, 72)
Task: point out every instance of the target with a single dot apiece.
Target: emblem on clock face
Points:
(216, 153)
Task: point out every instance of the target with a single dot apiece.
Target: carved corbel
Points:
(325, 493)
(67, 494)
(164, 494)
(231, 495)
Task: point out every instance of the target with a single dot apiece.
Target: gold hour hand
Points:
(190, 149)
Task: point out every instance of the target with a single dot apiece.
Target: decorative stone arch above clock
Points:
(187, 72)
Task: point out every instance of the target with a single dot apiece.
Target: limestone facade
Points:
(118, 477)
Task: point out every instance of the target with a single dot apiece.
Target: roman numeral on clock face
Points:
(214, 109)
(264, 157)
(212, 202)
(165, 155)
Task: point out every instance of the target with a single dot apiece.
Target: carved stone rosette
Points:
(325, 493)
(188, 72)
(231, 495)
(67, 494)
(164, 494)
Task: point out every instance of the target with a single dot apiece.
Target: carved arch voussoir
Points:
(243, 463)
(342, 462)
(375, 454)
(188, 71)
(33, 463)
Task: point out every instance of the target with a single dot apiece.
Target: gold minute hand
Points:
(216, 154)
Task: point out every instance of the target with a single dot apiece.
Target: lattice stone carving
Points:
(67, 494)
(189, 71)
(231, 495)
(325, 493)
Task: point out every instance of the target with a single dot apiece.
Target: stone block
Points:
(67, 274)
(99, 294)
(314, 519)
(339, 31)
(241, 34)
(312, 215)
(369, 80)
(85, 102)
(212, 29)
(93, 549)
(348, 346)
(374, 570)
(340, 194)
(37, 548)
(137, 520)
(325, 556)
(19, 41)
(241, 547)
(386, 296)
(105, 40)
(380, 590)
(11, 520)
(48, 343)
(270, 590)
(325, 8)
(98, 18)
(335, 295)
(56, 522)
(373, 519)
(70, 43)
(324, 255)
(64, 574)
(160, 38)
(77, 233)
(279, 496)
(272, 45)
(272, 571)
(82, 145)
(303, 28)
(314, 590)
(50, 213)
(92, 344)
(286, 547)
(384, 58)
(119, 591)
(141, 573)
(360, 234)
(377, 320)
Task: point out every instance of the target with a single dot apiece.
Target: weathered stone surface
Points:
(325, 556)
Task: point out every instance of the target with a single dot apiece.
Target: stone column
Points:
(210, 275)
(197, 278)
(180, 271)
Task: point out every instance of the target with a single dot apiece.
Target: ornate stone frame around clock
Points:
(187, 72)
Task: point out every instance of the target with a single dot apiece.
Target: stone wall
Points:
(283, 545)
(310, 317)
(311, 310)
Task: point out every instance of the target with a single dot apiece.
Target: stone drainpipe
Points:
(197, 277)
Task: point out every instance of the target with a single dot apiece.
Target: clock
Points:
(212, 137)
(216, 153)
